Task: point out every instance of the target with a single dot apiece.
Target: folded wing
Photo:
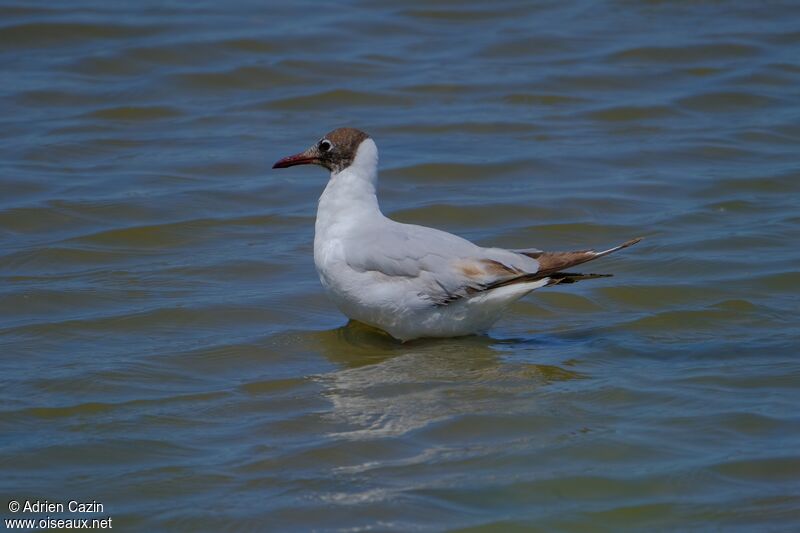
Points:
(444, 267)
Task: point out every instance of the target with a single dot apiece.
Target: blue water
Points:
(165, 346)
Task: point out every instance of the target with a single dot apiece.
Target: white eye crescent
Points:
(325, 145)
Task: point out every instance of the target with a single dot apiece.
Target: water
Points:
(166, 346)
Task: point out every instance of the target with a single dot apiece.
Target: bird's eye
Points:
(325, 145)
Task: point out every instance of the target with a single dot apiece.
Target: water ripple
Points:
(165, 346)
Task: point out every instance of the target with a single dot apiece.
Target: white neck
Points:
(349, 197)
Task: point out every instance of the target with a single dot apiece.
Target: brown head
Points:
(335, 151)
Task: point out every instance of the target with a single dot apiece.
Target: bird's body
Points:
(412, 281)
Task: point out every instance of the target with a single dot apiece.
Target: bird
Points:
(407, 280)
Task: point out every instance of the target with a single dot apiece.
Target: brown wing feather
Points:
(552, 262)
(551, 265)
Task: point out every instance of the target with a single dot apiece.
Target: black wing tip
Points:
(573, 277)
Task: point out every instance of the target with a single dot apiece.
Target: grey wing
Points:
(442, 266)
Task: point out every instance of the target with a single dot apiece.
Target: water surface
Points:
(165, 346)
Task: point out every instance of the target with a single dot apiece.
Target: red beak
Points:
(303, 158)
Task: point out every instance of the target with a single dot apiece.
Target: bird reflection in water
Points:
(386, 388)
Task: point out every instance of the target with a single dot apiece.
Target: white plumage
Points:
(410, 281)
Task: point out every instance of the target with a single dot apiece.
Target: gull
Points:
(407, 280)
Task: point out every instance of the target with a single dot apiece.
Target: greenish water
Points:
(165, 346)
